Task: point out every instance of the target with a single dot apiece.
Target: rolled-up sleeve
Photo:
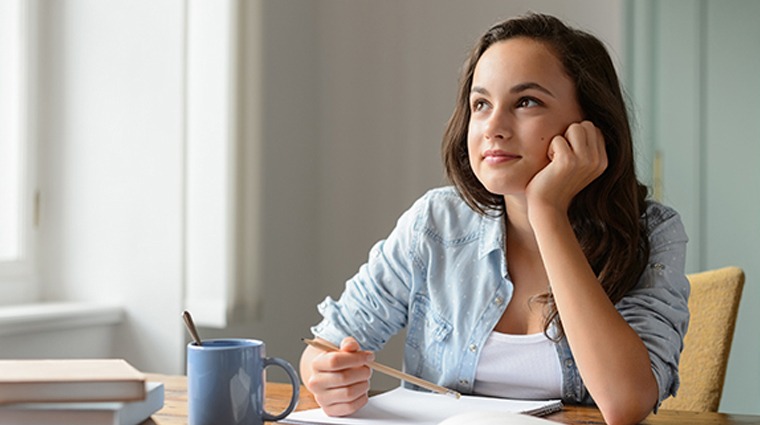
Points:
(374, 304)
(657, 308)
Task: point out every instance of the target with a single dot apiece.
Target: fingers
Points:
(340, 379)
(588, 146)
(341, 360)
(576, 158)
(559, 147)
(340, 392)
(334, 384)
(584, 136)
(343, 401)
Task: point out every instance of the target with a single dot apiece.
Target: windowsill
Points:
(44, 317)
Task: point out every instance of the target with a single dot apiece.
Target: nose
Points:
(498, 126)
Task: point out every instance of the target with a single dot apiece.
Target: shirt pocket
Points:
(426, 338)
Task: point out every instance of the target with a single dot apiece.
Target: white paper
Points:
(403, 406)
(495, 418)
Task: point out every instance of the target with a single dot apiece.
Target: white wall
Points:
(110, 129)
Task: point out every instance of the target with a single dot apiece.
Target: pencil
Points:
(328, 346)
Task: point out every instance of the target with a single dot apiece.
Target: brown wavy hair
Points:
(608, 215)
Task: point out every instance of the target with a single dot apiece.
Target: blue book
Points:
(87, 413)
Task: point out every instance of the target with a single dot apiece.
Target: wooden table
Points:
(278, 395)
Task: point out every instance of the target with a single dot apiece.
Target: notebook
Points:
(86, 413)
(405, 406)
(486, 417)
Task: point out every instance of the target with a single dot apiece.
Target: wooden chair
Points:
(713, 304)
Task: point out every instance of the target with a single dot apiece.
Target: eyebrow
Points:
(516, 89)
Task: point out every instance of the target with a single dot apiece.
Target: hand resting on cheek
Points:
(575, 160)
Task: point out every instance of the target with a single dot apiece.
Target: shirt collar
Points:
(492, 235)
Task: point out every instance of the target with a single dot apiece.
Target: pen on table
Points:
(328, 346)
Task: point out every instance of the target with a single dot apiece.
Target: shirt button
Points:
(473, 348)
(658, 266)
(499, 300)
(464, 381)
(569, 363)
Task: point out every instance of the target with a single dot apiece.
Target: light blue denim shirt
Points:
(442, 273)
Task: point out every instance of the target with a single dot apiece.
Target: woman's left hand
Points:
(575, 160)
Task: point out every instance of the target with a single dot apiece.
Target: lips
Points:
(496, 156)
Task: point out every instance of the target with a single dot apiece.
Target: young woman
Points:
(543, 272)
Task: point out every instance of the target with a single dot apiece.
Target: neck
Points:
(517, 225)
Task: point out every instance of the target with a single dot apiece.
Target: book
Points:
(70, 380)
(87, 413)
(404, 406)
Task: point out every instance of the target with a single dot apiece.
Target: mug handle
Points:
(293, 380)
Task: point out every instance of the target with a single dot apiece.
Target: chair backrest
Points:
(713, 305)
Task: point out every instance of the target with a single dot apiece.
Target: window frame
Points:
(18, 277)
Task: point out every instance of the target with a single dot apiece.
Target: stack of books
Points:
(76, 391)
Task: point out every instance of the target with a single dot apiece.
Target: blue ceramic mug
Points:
(225, 382)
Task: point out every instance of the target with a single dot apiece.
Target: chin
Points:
(503, 183)
(505, 189)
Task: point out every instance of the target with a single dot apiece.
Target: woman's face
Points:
(520, 99)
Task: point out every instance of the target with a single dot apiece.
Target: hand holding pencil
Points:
(340, 381)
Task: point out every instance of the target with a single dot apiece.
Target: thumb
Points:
(558, 145)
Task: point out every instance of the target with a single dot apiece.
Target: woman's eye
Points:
(479, 105)
(527, 102)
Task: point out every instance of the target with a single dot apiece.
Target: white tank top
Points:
(519, 366)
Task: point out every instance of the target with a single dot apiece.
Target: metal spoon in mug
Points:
(191, 327)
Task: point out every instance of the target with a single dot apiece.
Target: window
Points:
(16, 183)
(222, 283)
